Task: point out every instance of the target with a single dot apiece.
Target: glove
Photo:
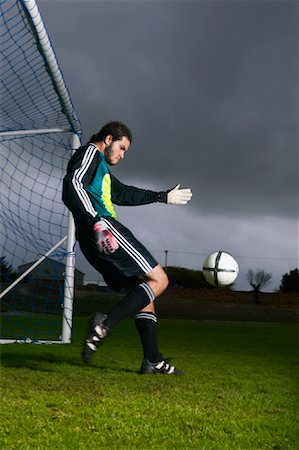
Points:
(106, 242)
(179, 196)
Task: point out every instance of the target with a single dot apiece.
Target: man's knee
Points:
(158, 280)
(164, 281)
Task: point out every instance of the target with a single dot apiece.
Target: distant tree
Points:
(258, 280)
(7, 273)
(290, 281)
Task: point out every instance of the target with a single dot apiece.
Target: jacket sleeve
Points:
(125, 195)
(80, 172)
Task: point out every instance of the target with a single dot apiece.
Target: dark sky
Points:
(210, 91)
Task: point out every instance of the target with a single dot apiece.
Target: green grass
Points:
(238, 391)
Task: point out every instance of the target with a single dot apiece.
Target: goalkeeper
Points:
(89, 191)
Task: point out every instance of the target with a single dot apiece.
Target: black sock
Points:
(135, 300)
(146, 324)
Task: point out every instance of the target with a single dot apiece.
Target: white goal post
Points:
(39, 130)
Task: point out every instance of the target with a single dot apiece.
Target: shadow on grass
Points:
(49, 362)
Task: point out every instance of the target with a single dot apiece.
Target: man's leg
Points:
(130, 261)
(146, 319)
(101, 325)
(139, 298)
(146, 323)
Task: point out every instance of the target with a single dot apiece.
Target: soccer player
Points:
(89, 191)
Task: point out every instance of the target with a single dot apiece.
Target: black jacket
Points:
(90, 190)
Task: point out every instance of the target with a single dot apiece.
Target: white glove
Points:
(179, 196)
(106, 242)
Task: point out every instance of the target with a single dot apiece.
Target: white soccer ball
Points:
(220, 269)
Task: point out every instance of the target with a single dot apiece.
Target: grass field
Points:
(238, 391)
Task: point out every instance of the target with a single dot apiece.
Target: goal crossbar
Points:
(20, 133)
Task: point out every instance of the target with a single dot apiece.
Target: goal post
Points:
(39, 130)
(69, 272)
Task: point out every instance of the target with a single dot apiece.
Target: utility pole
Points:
(166, 256)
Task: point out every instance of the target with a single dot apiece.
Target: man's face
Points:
(116, 150)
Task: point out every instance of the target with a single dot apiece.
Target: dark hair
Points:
(117, 130)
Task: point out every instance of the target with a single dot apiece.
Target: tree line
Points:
(188, 278)
(258, 279)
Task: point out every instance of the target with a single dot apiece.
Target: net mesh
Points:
(28, 97)
(32, 217)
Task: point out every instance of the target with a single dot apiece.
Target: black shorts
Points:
(124, 268)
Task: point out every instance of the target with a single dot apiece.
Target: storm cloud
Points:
(210, 91)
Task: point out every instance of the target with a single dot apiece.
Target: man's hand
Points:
(179, 196)
(106, 242)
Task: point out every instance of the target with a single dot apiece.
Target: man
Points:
(89, 191)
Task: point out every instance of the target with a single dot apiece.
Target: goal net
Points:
(39, 129)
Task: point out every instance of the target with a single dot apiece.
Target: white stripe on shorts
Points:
(129, 248)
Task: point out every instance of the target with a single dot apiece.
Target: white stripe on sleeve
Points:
(77, 180)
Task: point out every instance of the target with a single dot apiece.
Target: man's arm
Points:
(125, 195)
(130, 195)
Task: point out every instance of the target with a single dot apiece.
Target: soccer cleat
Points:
(95, 336)
(163, 367)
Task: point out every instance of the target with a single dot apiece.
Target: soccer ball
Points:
(220, 269)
